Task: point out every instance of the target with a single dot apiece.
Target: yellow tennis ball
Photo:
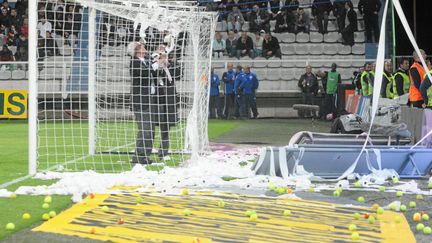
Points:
(185, 192)
(52, 214)
(105, 208)
(10, 226)
(48, 199)
(45, 216)
(253, 217)
(355, 236)
(45, 206)
(26, 216)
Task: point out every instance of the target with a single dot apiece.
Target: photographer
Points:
(308, 83)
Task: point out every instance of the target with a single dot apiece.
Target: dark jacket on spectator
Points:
(248, 45)
(352, 18)
(271, 45)
(6, 55)
(310, 83)
(368, 7)
(321, 6)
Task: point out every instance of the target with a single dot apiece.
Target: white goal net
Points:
(121, 82)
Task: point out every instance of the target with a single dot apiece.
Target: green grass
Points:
(13, 164)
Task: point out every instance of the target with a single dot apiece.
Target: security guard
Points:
(426, 91)
(366, 82)
(416, 74)
(387, 81)
(401, 80)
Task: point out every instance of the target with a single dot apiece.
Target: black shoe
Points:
(142, 161)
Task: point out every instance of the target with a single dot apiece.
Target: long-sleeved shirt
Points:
(321, 6)
(237, 82)
(424, 86)
(399, 81)
(249, 83)
(271, 45)
(228, 78)
(219, 45)
(244, 44)
(214, 85)
(310, 84)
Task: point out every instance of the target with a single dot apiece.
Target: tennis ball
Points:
(45, 216)
(10, 226)
(425, 217)
(357, 184)
(52, 214)
(412, 204)
(13, 195)
(271, 186)
(392, 206)
(336, 193)
(371, 219)
(381, 188)
(280, 190)
(105, 208)
(253, 217)
(430, 185)
(355, 236)
(250, 212)
(398, 219)
(48, 199)
(427, 230)
(221, 204)
(339, 189)
(419, 197)
(92, 195)
(45, 205)
(380, 210)
(138, 200)
(185, 192)
(311, 189)
(92, 230)
(420, 227)
(416, 217)
(357, 216)
(186, 212)
(26, 216)
(403, 208)
(287, 213)
(399, 194)
(361, 199)
(395, 179)
(352, 227)
(375, 206)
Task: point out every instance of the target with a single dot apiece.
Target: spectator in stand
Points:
(6, 56)
(21, 7)
(231, 44)
(274, 7)
(218, 45)
(21, 56)
(271, 46)
(370, 9)
(228, 78)
(416, 73)
(5, 6)
(387, 81)
(24, 28)
(351, 26)
(244, 46)
(5, 18)
(11, 36)
(259, 20)
(308, 83)
(401, 81)
(339, 11)
(258, 43)
(321, 10)
(332, 80)
(214, 102)
(284, 22)
(235, 20)
(248, 86)
(44, 26)
(293, 5)
(302, 21)
(366, 80)
(14, 19)
(69, 32)
(51, 48)
(21, 42)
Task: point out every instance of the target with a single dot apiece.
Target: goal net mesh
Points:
(102, 106)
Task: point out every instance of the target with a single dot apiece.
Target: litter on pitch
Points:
(332, 161)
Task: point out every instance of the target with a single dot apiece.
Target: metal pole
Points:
(33, 90)
(91, 81)
(415, 18)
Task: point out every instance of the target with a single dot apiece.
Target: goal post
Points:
(82, 110)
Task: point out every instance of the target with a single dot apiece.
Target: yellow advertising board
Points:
(13, 104)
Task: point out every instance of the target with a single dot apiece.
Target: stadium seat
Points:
(298, 72)
(259, 64)
(273, 74)
(272, 25)
(331, 37)
(344, 64)
(316, 37)
(218, 64)
(274, 63)
(5, 75)
(357, 64)
(302, 37)
(346, 73)
(330, 49)
(359, 37)
(358, 49)
(344, 49)
(287, 73)
(287, 37)
(332, 26)
(316, 49)
(287, 49)
(301, 49)
(261, 73)
(219, 71)
(18, 74)
(54, 73)
(66, 50)
(220, 26)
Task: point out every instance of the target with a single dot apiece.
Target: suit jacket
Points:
(141, 82)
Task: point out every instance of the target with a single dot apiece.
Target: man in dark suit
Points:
(351, 26)
(142, 89)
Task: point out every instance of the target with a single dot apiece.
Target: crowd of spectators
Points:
(289, 16)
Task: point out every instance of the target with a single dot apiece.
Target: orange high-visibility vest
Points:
(414, 93)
